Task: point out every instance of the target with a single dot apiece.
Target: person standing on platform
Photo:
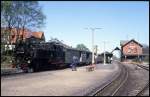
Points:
(74, 63)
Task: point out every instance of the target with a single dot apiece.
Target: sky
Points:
(119, 20)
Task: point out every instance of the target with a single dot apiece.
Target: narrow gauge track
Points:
(113, 86)
(144, 67)
(140, 93)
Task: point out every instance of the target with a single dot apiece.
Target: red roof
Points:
(24, 33)
(37, 34)
(131, 41)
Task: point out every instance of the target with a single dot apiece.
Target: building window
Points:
(129, 50)
(135, 50)
(13, 36)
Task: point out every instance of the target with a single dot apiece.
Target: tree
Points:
(7, 17)
(21, 15)
(82, 47)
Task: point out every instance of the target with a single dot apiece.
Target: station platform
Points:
(58, 82)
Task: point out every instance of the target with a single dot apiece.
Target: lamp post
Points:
(93, 29)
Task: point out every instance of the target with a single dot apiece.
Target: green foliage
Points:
(8, 14)
(2, 48)
(6, 61)
(21, 14)
(146, 59)
(82, 47)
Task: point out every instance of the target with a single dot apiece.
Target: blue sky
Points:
(66, 21)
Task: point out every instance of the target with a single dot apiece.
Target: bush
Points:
(146, 59)
(7, 53)
(6, 59)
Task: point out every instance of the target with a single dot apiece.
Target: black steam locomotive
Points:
(32, 56)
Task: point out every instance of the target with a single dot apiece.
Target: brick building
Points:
(132, 50)
(9, 38)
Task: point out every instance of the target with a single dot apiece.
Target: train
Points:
(33, 56)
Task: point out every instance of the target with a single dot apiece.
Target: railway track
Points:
(112, 87)
(140, 93)
(144, 67)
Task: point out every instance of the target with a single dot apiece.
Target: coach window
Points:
(87, 55)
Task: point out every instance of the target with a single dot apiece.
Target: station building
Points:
(133, 50)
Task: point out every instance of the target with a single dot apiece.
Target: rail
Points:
(144, 67)
(113, 86)
(140, 93)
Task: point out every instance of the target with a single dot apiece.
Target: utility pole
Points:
(104, 54)
(104, 51)
(92, 30)
(137, 48)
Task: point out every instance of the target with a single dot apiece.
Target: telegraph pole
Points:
(104, 51)
(104, 54)
(92, 30)
(137, 48)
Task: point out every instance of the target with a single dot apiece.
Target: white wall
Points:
(117, 53)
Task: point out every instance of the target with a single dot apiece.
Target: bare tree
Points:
(22, 15)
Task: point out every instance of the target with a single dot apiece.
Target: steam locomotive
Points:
(33, 56)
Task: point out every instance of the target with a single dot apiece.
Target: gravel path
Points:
(146, 93)
(138, 77)
(57, 82)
